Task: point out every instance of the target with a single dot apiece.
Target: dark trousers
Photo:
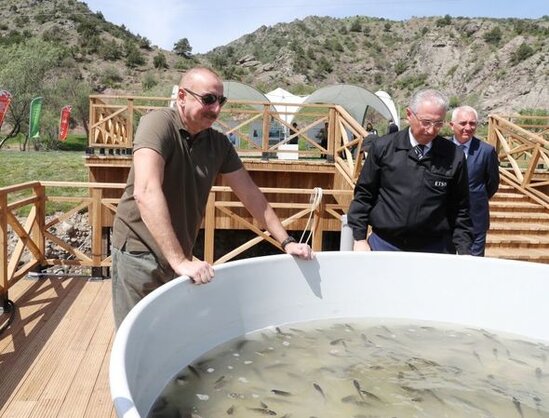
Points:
(479, 244)
(379, 244)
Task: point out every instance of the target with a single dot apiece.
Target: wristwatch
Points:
(287, 241)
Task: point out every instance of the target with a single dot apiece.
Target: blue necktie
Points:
(462, 148)
(419, 150)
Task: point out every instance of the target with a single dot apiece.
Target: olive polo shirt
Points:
(191, 166)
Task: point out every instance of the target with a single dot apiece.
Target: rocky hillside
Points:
(498, 65)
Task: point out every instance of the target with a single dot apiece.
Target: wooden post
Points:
(266, 128)
(530, 170)
(331, 134)
(91, 122)
(95, 217)
(3, 251)
(209, 229)
(37, 230)
(129, 124)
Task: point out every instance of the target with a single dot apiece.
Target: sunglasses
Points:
(208, 99)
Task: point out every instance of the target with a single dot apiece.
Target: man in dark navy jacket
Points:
(413, 188)
(482, 169)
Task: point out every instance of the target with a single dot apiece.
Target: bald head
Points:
(196, 75)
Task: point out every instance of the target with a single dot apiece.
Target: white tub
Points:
(177, 323)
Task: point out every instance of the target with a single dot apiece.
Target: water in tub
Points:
(364, 368)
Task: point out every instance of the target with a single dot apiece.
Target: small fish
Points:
(349, 399)
(518, 361)
(319, 389)
(193, 370)
(517, 404)
(263, 411)
(281, 392)
(230, 411)
(371, 395)
(219, 383)
(240, 344)
(181, 379)
(366, 339)
(338, 341)
(349, 327)
(434, 395)
(282, 333)
(356, 384)
(477, 356)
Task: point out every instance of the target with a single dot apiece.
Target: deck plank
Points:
(54, 357)
(79, 394)
(46, 301)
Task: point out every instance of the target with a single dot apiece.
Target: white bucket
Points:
(177, 323)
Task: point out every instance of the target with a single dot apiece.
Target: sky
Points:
(209, 24)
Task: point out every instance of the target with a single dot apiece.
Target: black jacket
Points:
(410, 202)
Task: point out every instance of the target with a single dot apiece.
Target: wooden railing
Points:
(250, 124)
(524, 158)
(23, 211)
(538, 125)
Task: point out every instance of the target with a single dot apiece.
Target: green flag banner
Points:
(34, 118)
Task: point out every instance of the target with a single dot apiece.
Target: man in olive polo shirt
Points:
(177, 156)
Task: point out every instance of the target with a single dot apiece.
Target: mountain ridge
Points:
(496, 65)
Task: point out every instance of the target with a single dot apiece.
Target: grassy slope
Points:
(18, 167)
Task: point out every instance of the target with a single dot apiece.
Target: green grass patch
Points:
(74, 143)
(18, 167)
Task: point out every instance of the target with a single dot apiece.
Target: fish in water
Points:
(516, 402)
(263, 411)
(319, 390)
(193, 370)
(281, 392)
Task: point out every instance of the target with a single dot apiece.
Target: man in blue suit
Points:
(482, 169)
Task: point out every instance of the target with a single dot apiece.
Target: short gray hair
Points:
(467, 109)
(428, 95)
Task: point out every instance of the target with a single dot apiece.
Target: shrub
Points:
(523, 52)
(111, 77)
(445, 21)
(149, 81)
(110, 51)
(400, 67)
(493, 36)
(159, 61)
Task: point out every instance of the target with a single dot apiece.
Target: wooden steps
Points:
(519, 227)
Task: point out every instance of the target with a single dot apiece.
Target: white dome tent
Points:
(355, 100)
(280, 96)
(386, 98)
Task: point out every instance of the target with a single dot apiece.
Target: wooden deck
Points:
(54, 357)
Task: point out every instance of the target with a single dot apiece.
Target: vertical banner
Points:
(64, 122)
(5, 100)
(34, 118)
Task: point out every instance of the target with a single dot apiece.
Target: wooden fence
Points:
(23, 210)
(257, 129)
(523, 155)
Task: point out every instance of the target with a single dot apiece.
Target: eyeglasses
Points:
(208, 99)
(437, 124)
